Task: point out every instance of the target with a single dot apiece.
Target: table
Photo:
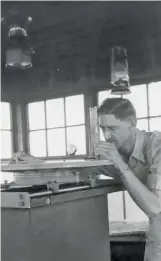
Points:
(68, 226)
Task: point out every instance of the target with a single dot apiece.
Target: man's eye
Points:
(113, 128)
(109, 128)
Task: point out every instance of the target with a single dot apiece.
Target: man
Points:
(137, 156)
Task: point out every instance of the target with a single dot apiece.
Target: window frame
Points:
(66, 157)
(11, 130)
(90, 99)
(148, 117)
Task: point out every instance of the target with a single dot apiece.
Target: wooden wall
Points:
(46, 81)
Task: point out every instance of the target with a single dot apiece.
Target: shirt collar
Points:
(138, 151)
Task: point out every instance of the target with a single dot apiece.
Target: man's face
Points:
(117, 131)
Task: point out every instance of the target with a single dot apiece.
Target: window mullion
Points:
(93, 128)
(65, 123)
(28, 128)
(11, 119)
(148, 106)
(14, 141)
(62, 128)
(46, 135)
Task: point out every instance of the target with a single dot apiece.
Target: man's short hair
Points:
(121, 108)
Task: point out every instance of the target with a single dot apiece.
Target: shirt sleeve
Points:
(154, 159)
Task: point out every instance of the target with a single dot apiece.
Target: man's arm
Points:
(148, 198)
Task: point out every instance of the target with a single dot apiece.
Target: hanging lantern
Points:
(18, 51)
(17, 32)
(119, 71)
(19, 57)
(17, 24)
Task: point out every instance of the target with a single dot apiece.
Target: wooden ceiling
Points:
(72, 40)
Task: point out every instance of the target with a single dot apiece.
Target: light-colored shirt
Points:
(145, 162)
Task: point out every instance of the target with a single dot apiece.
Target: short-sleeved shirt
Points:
(145, 162)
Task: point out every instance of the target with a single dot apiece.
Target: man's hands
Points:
(108, 151)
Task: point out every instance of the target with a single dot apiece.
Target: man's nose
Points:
(107, 135)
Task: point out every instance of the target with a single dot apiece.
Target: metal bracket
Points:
(92, 181)
(15, 200)
(53, 186)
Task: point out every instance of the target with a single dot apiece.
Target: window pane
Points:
(55, 113)
(74, 110)
(155, 124)
(138, 97)
(155, 98)
(102, 95)
(76, 136)
(5, 116)
(115, 206)
(101, 135)
(37, 143)
(36, 115)
(142, 124)
(9, 176)
(6, 145)
(133, 212)
(56, 142)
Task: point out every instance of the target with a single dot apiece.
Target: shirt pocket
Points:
(140, 170)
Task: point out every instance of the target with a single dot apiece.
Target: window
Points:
(155, 106)
(155, 124)
(142, 124)
(115, 206)
(138, 97)
(133, 212)
(102, 95)
(146, 100)
(155, 99)
(6, 131)
(55, 123)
